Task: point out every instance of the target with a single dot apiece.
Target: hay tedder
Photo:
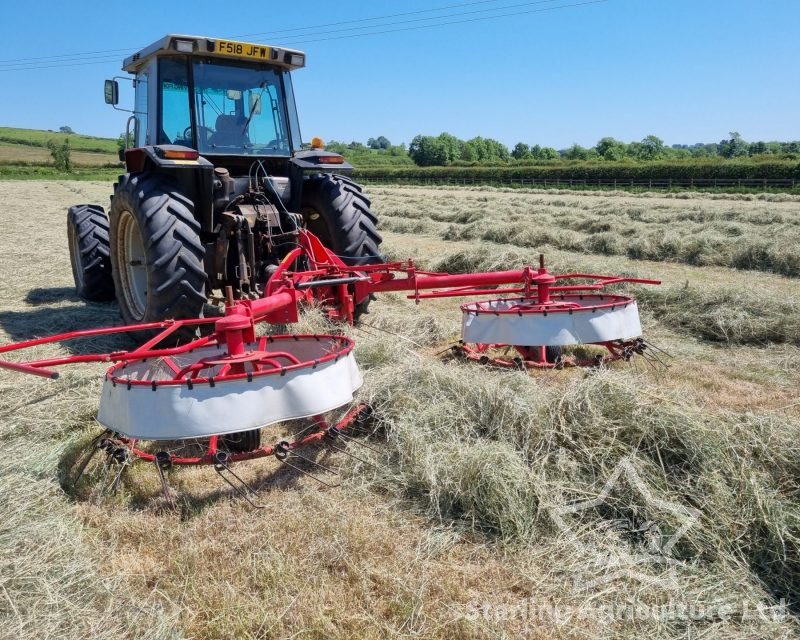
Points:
(269, 226)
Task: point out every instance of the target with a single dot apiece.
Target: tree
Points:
(484, 150)
(734, 147)
(381, 142)
(66, 129)
(701, 150)
(121, 141)
(427, 151)
(576, 152)
(61, 154)
(336, 147)
(521, 151)
(650, 148)
(544, 153)
(611, 149)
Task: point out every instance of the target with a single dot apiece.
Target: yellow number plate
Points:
(243, 50)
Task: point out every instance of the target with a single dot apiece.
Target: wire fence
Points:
(561, 183)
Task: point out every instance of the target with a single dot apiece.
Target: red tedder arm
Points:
(324, 278)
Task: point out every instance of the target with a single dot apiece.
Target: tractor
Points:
(217, 186)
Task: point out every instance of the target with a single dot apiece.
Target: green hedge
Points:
(731, 169)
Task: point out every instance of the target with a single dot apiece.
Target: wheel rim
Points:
(132, 265)
(77, 263)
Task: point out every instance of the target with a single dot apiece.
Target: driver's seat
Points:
(229, 132)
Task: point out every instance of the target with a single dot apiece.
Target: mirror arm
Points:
(129, 79)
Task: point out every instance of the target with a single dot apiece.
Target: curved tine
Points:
(657, 348)
(314, 462)
(118, 478)
(347, 453)
(104, 474)
(164, 485)
(90, 453)
(239, 491)
(310, 475)
(358, 442)
(660, 361)
(243, 492)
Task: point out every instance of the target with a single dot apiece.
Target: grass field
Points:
(40, 138)
(13, 154)
(471, 460)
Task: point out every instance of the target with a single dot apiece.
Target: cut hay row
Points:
(712, 233)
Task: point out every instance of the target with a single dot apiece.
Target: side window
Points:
(291, 107)
(176, 123)
(140, 109)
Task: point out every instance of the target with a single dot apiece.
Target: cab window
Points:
(175, 123)
(240, 110)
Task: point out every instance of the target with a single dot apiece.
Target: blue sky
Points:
(687, 71)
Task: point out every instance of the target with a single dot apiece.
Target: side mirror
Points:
(111, 91)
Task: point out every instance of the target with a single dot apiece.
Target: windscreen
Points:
(240, 110)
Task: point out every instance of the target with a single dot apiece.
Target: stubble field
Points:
(456, 509)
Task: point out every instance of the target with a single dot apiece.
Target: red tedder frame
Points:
(325, 279)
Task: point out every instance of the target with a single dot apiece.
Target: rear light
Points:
(331, 159)
(172, 154)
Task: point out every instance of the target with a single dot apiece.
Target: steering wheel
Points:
(278, 145)
(204, 133)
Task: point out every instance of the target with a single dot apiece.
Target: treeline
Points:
(445, 149)
(448, 150)
(380, 145)
(701, 169)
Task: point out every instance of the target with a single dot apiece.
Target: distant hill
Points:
(39, 138)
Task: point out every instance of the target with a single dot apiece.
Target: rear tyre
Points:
(89, 248)
(156, 253)
(336, 210)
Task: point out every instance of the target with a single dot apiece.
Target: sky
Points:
(686, 70)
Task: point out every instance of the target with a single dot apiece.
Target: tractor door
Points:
(144, 104)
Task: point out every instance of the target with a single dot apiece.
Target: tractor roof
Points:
(217, 48)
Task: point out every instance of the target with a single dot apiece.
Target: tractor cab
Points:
(218, 186)
(219, 97)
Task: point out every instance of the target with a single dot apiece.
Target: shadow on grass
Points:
(49, 295)
(143, 492)
(44, 321)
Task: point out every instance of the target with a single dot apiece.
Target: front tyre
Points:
(156, 253)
